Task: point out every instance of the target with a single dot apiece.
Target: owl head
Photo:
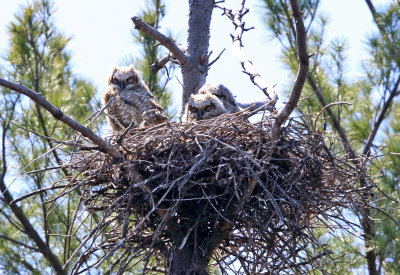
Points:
(124, 78)
(203, 106)
(219, 91)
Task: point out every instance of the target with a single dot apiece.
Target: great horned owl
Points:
(211, 101)
(129, 100)
(223, 94)
(203, 106)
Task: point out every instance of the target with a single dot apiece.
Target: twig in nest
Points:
(323, 110)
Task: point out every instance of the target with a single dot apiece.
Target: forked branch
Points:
(165, 41)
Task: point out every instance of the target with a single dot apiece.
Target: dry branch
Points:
(301, 38)
(165, 41)
(160, 63)
(247, 65)
(59, 115)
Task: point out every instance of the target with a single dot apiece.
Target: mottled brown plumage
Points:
(211, 101)
(223, 94)
(129, 100)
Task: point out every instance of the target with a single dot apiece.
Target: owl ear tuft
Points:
(114, 70)
(112, 74)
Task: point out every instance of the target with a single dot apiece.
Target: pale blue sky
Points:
(101, 38)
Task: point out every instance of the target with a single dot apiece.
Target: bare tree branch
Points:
(160, 63)
(217, 58)
(59, 115)
(165, 41)
(18, 243)
(302, 72)
(247, 65)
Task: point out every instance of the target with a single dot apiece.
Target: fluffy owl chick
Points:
(129, 100)
(223, 94)
(203, 106)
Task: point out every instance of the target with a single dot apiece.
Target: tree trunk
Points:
(187, 261)
(194, 71)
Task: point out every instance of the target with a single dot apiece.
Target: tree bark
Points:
(194, 71)
(187, 261)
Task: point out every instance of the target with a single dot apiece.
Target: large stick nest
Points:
(218, 187)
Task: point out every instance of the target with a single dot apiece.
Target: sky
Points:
(101, 39)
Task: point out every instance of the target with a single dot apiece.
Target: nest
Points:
(221, 189)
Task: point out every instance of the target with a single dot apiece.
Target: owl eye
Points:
(132, 80)
(114, 81)
(210, 107)
(194, 109)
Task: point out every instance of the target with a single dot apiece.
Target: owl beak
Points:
(200, 113)
(121, 84)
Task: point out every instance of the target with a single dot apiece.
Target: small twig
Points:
(160, 63)
(46, 137)
(216, 59)
(323, 110)
(29, 164)
(36, 192)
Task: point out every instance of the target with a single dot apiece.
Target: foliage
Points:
(38, 58)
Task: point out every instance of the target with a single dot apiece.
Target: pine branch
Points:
(381, 117)
(379, 21)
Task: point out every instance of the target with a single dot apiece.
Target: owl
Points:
(203, 106)
(129, 100)
(223, 94)
(211, 101)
